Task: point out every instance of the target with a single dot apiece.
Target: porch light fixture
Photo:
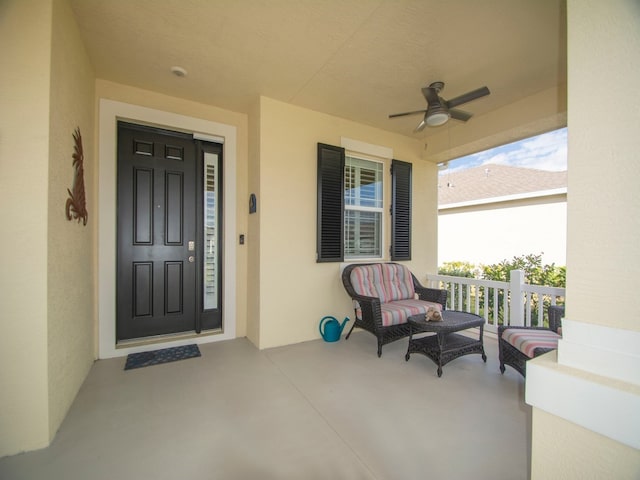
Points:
(436, 116)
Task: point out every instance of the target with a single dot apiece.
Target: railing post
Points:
(516, 312)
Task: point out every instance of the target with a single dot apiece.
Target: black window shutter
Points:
(400, 210)
(330, 241)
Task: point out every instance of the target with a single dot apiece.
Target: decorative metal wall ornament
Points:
(76, 204)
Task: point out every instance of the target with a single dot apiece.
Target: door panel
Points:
(156, 282)
(143, 289)
(174, 217)
(143, 206)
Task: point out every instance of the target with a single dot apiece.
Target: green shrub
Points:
(535, 272)
(458, 269)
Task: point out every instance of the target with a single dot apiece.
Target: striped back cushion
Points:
(367, 281)
(397, 281)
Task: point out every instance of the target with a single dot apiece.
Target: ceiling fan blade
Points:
(467, 97)
(406, 113)
(460, 114)
(421, 125)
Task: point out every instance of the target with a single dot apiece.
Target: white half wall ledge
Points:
(602, 405)
(601, 350)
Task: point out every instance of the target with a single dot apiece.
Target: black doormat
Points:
(165, 355)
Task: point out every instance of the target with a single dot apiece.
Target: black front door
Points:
(157, 268)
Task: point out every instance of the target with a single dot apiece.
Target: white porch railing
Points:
(509, 303)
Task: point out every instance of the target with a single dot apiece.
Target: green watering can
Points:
(332, 328)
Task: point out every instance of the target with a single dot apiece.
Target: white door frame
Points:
(110, 113)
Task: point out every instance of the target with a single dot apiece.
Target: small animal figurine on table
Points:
(433, 315)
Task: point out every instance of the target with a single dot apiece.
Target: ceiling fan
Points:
(439, 110)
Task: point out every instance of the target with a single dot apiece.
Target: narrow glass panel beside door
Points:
(210, 284)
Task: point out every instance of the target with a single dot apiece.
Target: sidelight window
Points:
(210, 254)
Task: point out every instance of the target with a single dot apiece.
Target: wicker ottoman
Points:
(516, 345)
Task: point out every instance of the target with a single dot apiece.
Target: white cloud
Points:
(499, 158)
(544, 152)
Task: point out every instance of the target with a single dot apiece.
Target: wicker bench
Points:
(385, 295)
(517, 345)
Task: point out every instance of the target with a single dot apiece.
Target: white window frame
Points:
(380, 210)
(377, 153)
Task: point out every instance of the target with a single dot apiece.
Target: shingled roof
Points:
(491, 181)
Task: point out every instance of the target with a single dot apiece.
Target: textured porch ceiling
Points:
(357, 59)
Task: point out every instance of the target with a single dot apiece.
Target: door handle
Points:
(192, 259)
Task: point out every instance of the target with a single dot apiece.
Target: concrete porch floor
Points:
(313, 410)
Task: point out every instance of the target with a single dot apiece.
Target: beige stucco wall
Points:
(295, 291)
(253, 232)
(603, 212)
(277, 162)
(48, 309)
(25, 31)
(604, 171)
(71, 246)
(567, 451)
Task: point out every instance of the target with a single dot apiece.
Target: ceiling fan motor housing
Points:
(438, 86)
(437, 112)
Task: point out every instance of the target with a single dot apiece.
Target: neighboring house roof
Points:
(491, 181)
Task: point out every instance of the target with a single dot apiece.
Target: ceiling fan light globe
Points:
(437, 119)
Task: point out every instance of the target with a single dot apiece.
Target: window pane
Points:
(210, 283)
(362, 233)
(363, 183)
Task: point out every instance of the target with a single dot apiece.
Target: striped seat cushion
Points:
(528, 340)
(395, 313)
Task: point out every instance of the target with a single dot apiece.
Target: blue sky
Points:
(544, 152)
